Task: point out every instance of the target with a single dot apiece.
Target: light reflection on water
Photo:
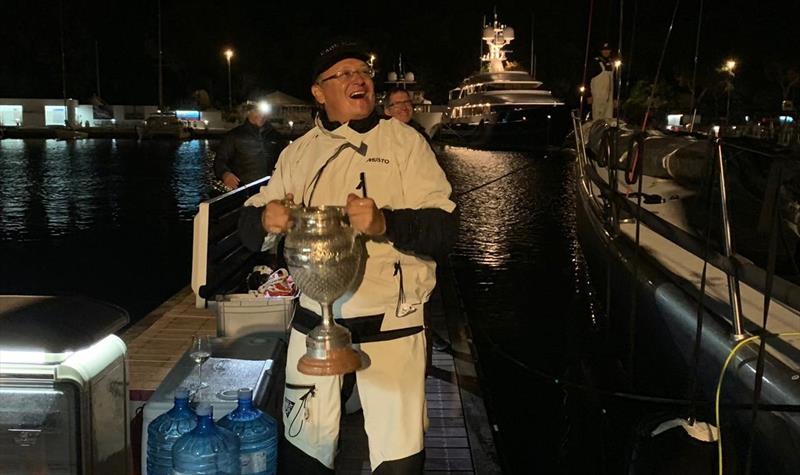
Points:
(51, 188)
(525, 290)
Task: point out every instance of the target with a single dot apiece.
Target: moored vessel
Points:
(502, 108)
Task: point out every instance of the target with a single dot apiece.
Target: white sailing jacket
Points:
(401, 172)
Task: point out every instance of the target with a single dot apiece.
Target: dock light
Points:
(228, 55)
(264, 107)
(371, 60)
(582, 89)
(618, 63)
(291, 123)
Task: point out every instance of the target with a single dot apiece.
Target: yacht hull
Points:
(514, 129)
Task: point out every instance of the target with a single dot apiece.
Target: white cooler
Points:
(63, 387)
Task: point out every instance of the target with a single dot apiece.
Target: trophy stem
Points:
(328, 348)
(327, 315)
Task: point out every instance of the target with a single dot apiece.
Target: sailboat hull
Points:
(664, 323)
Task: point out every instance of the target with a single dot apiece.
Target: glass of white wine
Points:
(200, 352)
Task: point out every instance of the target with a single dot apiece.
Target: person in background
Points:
(248, 152)
(602, 85)
(405, 217)
(399, 105)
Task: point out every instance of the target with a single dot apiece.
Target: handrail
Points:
(733, 280)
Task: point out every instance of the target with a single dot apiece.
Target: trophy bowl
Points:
(324, 257)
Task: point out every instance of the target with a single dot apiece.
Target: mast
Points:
(533, 55)
(63, 56)
(618, 72)
(97, 67)
(694, 72)
(160, 73)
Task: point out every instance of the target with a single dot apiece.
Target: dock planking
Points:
(458, 440)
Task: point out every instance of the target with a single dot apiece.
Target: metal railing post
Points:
(733, 279)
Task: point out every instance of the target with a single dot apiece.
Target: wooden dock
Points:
(459, 439)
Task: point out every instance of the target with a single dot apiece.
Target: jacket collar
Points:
(352, 131)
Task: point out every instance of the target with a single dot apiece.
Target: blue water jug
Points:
(207, 449)
(164, 430)
(258, 436)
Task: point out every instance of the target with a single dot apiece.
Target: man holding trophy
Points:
(385, 180)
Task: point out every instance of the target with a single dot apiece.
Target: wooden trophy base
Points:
(340, 361)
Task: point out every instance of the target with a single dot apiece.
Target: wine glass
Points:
(200, 351)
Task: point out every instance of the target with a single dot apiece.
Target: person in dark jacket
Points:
(249, 151)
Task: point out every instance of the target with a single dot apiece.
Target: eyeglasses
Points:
(347, 74)
(406, 102)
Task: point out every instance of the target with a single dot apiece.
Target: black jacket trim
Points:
(251, 232)
(362, 329)
(360, 125)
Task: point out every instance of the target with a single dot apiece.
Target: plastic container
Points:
(207, 450)
(258, 436)
(164, 430)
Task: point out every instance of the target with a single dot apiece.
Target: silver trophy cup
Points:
(324, 256)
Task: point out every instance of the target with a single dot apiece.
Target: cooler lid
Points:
(55, 324)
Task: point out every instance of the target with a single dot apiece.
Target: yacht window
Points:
(511, 86)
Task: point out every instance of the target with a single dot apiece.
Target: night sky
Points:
(275, 41)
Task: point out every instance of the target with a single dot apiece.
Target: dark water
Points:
(112, 219)
(526, 290)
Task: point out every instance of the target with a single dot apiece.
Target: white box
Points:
(242, 314)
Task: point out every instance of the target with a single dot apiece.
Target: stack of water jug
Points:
(183, 441)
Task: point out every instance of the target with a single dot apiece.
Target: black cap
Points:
(605, 46)
(335, 52)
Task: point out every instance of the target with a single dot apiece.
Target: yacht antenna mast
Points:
(480, 50)
(160, 54)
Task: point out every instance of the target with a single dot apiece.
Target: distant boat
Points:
(70, 134)
(165, 125)
(501, 109)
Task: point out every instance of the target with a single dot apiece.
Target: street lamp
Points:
(729, 67)
(228, 55)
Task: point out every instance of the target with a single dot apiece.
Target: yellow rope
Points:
(719, 387)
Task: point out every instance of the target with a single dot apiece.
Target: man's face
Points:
(605, 52)
(350, 96)
(398, 105)
(256, 117)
